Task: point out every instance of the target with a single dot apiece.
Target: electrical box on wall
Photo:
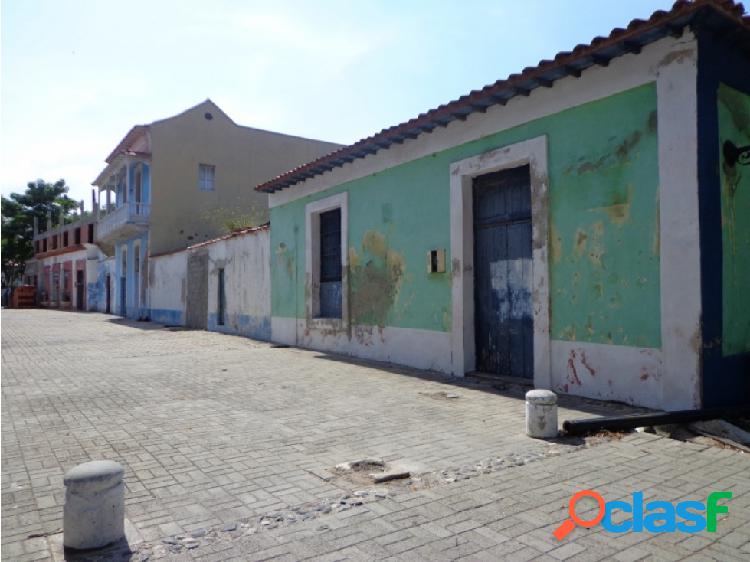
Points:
(436, 261)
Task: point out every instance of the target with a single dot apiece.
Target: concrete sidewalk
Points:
(217, 432)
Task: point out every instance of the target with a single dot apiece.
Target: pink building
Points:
(65, 259)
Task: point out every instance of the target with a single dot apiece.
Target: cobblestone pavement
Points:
(229, 447)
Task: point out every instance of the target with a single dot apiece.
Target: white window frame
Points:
(206, 180)
(312, 261)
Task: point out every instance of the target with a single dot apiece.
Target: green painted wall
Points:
(604, 261)
(734, 126)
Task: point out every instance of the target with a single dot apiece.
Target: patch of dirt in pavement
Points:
(441, 395)
(605, 436)
(359, 474)
(369, 471)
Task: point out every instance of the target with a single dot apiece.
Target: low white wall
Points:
(247, 284)
(167, 276)
(420, 349)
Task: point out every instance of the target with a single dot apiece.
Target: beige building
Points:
(183, 180)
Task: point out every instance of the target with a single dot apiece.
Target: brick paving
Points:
(215, 431)
(510, 514)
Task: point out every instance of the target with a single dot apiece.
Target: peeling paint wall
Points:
(621, 248)
(167, 287)
(96, 274)
(245, 260)
(604, 222)
(604, 216)
(734, 127)
(247, 285)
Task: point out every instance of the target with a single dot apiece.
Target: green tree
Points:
(18, 212)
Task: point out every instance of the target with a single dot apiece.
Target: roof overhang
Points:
(721, 16)
(128, 141)
(115, 163)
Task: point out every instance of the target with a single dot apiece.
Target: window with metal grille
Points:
(330, 264)
(221, 298)
(206, 176)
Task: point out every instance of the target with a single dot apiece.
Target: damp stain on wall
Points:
(285, 258)
(375, 277)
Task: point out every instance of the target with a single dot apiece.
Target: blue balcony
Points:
(123, 222)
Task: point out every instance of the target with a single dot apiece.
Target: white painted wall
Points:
(245, 259)
(167, 286)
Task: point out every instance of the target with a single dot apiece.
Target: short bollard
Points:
(94, 514)
(541, 414)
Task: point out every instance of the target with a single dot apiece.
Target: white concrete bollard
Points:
(94, 514)
(541, 414)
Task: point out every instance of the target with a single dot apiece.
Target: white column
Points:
(126, 196)
(679, 228)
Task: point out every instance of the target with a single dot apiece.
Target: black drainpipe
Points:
(625, 423)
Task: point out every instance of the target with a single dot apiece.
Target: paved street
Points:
(229, 448)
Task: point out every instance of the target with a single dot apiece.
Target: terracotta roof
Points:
(233, 234)
(720, 14)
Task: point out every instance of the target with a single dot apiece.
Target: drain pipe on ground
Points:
(626, 423)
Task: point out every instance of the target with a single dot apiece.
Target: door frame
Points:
(462, 173)
(313, 211)
(489, 240)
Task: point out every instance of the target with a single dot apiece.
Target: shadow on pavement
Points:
(501, 386)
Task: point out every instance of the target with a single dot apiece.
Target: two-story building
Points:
(180, 181)
(65, 261)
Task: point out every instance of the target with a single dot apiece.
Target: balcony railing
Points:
(132, 213)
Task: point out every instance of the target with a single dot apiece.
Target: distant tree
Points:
(18, 212)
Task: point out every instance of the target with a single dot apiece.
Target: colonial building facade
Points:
(178, 182)
(584, 225)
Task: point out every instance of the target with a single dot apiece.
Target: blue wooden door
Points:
(502, 273)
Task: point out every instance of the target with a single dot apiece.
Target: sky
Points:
(75, 75)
